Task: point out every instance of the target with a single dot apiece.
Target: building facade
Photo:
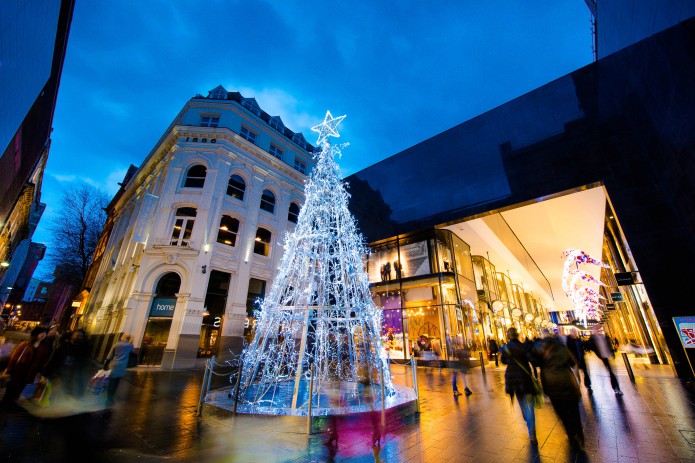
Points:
(193, 237)
(34, 35)
(625, 123)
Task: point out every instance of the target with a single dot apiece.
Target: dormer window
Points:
(218, 93)
(276, 123)
(209, 121)
(248, 134)
(275, 151)
(298, 138)
(251, 105)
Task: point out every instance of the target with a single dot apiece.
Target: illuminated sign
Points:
(163, 307)
(686, 331)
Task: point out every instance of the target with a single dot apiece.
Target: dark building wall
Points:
(621, 23)
(626, 121)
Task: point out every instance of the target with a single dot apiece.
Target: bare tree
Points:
(75, 232)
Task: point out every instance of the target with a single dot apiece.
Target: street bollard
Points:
(202, 388)
(311, 400)
(236, 387)
(417, 392)
(482, 363)
(628, 367)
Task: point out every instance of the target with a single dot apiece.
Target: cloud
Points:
(277, 102)
(63, 178)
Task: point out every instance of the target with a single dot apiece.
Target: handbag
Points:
(538, 400)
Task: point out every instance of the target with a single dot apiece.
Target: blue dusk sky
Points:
(402, 71)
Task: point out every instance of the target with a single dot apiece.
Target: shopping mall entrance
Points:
(459, 286)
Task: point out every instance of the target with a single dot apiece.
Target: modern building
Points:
(34, 36)
(193, 237)
(608, 149)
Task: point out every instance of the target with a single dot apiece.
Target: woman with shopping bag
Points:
(117, 362)
(25, 365)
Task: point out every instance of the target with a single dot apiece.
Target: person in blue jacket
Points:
(117, 361)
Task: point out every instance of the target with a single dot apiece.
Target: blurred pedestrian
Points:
(576, 348)
(602, 348)
(25, 366)
(494, 350)
(117, 361)
(518, 380)
(560, 385)
(69, 364)
(463, 356)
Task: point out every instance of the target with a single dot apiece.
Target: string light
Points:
(585, 299)
(319, 309)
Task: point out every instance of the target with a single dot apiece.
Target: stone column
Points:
(184, 336)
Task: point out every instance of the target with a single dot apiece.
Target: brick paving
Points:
(155, 420)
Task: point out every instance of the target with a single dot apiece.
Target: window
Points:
(209, 121)
(183, 226)
(293, 213)
(236, 187)
(195, 178)
(251, 105)
(255, 294)
(268, 201)
(277, 124)
(298, 138)
(275, 151)
(229, 228)
(300, 166)
(262, 243)
(250, 135)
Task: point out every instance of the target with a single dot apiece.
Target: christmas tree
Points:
(319, 310)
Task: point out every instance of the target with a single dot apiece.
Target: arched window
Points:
(195, 178)
(262, 244)
(293, 213)
(168, 285)
(268, 201)
(229, 227)
(236, 187)
(183, 226)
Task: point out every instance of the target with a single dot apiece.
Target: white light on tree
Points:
(319, 310)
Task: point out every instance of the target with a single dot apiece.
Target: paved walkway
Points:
(156, 420)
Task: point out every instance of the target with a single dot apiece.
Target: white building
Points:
(194, 236)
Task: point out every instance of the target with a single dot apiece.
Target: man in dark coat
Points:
(602, 347)
(576, 348)
(560, 384)
(518, 380)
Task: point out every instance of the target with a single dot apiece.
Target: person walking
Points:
(494, 350)
(576, 348)
(561, 386)
(601, 347)
(25, 365)
(117, 361)
(69, 365)
(518, 380)
(464, 363)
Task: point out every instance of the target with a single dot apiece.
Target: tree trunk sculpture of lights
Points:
(319, 309)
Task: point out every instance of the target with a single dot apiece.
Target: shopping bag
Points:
(43, 398)
(99, 382)
(29, 391)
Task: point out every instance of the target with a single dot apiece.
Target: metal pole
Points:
(212, 368)
(383, 398)
(417, 392)
(482, 364)
(629, 367)
(202, 388)
(311, 399)
(236, 386)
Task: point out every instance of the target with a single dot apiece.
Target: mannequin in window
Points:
(447, 266)
(397, 267)
(383, 272)
(387, 271)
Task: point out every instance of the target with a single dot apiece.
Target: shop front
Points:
(161, 313)
(424, 283)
